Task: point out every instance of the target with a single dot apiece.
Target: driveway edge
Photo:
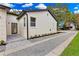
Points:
(59, 49)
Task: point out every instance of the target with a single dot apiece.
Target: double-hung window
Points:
(32, 21)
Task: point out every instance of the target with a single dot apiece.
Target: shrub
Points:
(36, 36)
(39, 36)
(2, 42)
(31, 37)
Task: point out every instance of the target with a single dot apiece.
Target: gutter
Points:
(27, 28)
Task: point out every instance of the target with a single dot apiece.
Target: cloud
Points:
(76, 12)
(41, 6)
(7, 4)
(27, 5)
(11, 10)
(75, 7)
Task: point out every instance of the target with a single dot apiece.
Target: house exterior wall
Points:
(45, 23)
(22, 28)
(11, 19)
(3, 15)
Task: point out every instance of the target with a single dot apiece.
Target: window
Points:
(24, 21)
(32, 21)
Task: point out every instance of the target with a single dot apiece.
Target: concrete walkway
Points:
(43, 47)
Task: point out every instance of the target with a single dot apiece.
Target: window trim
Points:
(32, 21)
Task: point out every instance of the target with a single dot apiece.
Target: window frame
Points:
(32, 21)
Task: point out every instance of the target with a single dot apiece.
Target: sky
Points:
(72, 7)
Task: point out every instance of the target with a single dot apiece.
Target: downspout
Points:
(27, 28)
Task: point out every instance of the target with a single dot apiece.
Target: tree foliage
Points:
(62, 14)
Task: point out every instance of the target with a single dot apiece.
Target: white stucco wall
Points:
(44, 23)
(11, 19)
(22, 29)
(3, 14)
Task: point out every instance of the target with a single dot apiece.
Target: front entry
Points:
(14, 27)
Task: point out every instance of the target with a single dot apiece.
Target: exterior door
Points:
(14, 28)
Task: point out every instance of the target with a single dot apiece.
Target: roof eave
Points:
(3, 6)
(21, 14)
(12, 13)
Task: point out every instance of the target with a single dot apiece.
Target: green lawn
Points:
(73, 47)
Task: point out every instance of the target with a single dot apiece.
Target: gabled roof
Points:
(25, 11)
(21, 14)
(52, 14)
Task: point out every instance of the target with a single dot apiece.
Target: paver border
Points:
(59, 49)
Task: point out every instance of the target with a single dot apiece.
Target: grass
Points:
(73, 47)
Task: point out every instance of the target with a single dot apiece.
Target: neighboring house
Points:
(70, 26)
(28, 23)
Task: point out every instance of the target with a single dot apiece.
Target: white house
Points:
(36, 22)
(28, 23)
(11, 23)
(3, 18)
